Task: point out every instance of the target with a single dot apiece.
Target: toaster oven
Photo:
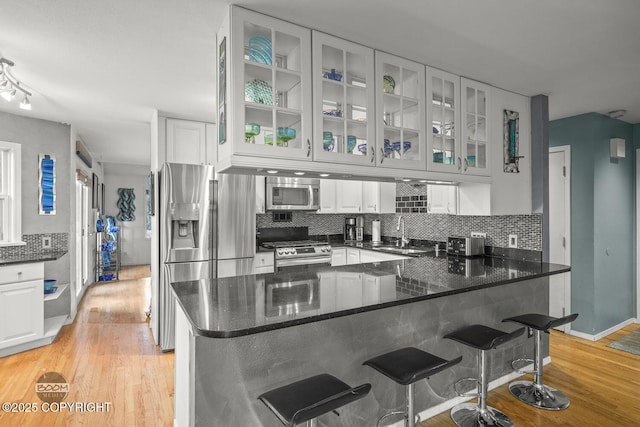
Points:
(465, 246)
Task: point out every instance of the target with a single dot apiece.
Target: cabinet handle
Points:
(466, 164)
(308, 147)
(429, 207)
(381, 155)
(19, 273)
(373, 156)
(459, 163)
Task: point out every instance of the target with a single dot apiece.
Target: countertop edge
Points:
(282, 325)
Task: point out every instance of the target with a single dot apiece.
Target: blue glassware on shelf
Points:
(327, 141)
(332, 75)
(260, 49)
(362, 148)
(351, 143)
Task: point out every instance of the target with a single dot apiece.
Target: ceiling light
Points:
(324, 175)
(298, 173)
(616, 114)
(272, 171)
(406, 180)
(9, 85)
(25, 104)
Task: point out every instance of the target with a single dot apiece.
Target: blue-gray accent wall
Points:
(602, 220)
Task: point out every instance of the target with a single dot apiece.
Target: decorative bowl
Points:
(388, 84)
(260, 49)
(49, 284)
(362, 148)
(286, 134)
(258, 91)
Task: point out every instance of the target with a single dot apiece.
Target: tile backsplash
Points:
(59, 242)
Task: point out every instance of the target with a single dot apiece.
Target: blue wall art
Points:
(511, 135)
(125, 204)
(47, 181)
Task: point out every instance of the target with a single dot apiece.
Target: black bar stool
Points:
(407, 366)
(307, 399)
(484, 339)
(535, 393)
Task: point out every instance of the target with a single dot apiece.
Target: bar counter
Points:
(239, 337)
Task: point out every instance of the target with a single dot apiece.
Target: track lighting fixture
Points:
(9, 85)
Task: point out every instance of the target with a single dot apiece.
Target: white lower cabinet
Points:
(338, 256)
(263, 262)
(378, 288)
(21, 304)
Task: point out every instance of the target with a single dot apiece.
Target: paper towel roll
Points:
(375, 231)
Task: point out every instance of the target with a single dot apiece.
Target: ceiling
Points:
(106, 66)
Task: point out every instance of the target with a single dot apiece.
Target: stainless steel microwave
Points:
(292, 194)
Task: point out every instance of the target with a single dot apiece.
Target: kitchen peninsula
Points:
(239, 337)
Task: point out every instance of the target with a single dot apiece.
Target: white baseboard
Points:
(603, 334)
(445, 406)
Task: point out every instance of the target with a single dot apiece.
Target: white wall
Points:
(135, 246)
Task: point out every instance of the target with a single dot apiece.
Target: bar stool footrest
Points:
(469, 415)
(465, 380)
(519, 364)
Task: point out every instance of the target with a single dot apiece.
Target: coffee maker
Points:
(349, 229)
(359, 228)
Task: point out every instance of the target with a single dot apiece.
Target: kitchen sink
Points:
(403, 251)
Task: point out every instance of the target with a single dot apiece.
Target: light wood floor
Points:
(108, 355)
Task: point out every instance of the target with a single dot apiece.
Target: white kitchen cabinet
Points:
(21, 304)
(476, 136)
(400, 113)
(379, 197)
(328, 196)
(353, 256)
(263, 262)
(261, 194)
(343, 101)
(442, 199)
(338, 256)
(349, 197)
(186, 142)
(443, 118)
(264, 88)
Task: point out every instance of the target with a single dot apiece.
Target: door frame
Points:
(637, 236)
(566, 149)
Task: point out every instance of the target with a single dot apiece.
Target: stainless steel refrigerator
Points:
(194, 205)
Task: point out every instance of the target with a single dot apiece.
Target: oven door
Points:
(298, 264)
(292, 194)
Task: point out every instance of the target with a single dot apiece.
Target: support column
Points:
(540, 165)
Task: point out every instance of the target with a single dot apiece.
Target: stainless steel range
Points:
(297, 251)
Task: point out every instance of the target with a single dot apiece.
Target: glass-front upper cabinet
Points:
(443, 116)
(400, 111)
(475, 134)
(343, 101)
(270, 76)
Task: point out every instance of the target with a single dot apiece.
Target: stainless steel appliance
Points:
(194, 205)
(293, 249)
(292, 194)
(465, 246)
(359, 228)
(349, 229)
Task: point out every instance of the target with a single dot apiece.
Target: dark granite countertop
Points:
(244, 305)
(32, 257)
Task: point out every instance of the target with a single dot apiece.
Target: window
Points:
(10, 193)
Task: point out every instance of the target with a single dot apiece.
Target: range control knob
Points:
(280, 251)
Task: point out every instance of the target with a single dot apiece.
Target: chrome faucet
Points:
(403, 240)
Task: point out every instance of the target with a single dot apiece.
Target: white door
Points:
(559, 231)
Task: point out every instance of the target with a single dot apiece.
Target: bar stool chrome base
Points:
(541, 396)
(470, 415)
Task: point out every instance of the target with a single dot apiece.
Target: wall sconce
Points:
(9, 85)
(617, 146)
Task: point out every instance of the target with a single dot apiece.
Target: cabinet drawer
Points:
(263, 259)
(21, 272)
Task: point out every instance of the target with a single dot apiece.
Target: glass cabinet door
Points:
(475, 145)
(343, 98)
(275, 71)
(400, 112)
(443, 116)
